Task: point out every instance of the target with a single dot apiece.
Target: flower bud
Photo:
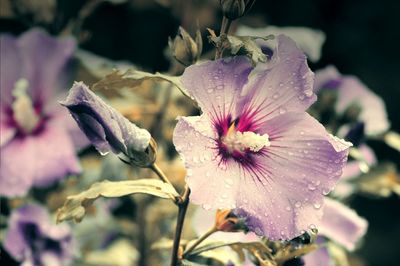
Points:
(234, 9)
(107, 129)
(184, 49)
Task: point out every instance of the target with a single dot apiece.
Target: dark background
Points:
(362, 39)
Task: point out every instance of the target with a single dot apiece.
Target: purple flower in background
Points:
(254, 148)
(33, 240)
(354, 98)
(105, 127)
(36, 135)
(339, 224)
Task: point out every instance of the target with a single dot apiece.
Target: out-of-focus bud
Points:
(184, 49)
(234, 9)
(226, 221)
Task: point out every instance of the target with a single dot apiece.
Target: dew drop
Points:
(210, 90)
(311, 187)
(308, 92)
(297, 204)
(288, 208)
(276, 95)
(229, 181)
(317, 206)
(206, 206)
(282, 110)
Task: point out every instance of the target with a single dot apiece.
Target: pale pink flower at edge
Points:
(254, 148)
(38, 137)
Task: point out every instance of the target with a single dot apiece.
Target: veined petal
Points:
(216, 85)
(43, 59)
(342, 224)
(283, 85)
(289, 179)
(36, 160)
(213, 185)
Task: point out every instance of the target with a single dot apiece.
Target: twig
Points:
(200, 240)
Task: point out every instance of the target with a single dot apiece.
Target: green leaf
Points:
(75, 206)
(133, 78)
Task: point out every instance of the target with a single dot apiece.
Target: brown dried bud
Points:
(234, 9)
(184, 49)
(226, 221)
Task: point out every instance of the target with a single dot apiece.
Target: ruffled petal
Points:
(342, 224)
(213, 186)
(43, 59)
(282, 194)
(10, 68)
(36, 160)
(216, 85)
(283, 85)
(310, 41)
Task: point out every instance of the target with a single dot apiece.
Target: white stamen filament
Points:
(23, 111)
(241, 141)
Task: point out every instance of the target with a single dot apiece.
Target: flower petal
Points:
(43, 59)
(34, 217)
(36, 160)
(283, 193)
(352, 91)
(10, 68)
(342, 224)
(106, 128)
(318, 257)
(283, 85)
(216, 85)
(373, 111)
(7, 132)
(309, 40)
(213, 186)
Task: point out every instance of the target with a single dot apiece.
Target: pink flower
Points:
(254, 148)
(36, 134)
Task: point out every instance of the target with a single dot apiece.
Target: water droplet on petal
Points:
(317, 205)
(311, 187)
(206, 206)
(297, 204)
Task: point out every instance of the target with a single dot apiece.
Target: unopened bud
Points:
(144, 158)
(184, 49)
(234, 9)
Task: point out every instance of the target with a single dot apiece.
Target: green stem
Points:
(200, 240)
(182, 205)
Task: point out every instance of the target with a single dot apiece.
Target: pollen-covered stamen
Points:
(242, 141)
(23, 111)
